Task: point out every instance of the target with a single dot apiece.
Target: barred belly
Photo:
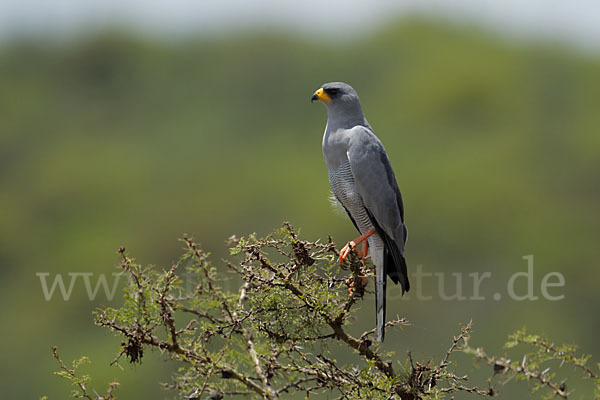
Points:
(344, 190)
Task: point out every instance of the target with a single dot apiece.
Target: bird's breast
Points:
(344, 189)
(335, 147)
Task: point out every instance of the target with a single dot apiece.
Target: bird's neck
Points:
(345, 120)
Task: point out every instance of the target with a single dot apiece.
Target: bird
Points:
(363, 182)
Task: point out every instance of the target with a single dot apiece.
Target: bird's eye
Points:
(332, 92)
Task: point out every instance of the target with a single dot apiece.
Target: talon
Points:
(346, 251)
(352, 246)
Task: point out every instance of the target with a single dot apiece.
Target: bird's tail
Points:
(387, 263)
(380, 288)
(377, 256)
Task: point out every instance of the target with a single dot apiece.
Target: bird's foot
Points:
(361, 253)
(345, 252)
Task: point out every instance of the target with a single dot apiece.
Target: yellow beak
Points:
(320, 95)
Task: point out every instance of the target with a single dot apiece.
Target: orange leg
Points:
(365, 249)
(353, 243)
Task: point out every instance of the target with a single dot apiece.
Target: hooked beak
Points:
(320, 95)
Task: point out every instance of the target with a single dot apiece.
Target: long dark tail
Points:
(395, 265)
(391, 263)
(389, 268)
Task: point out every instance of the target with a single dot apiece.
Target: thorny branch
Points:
(535, 366)
(81, 382)
(280, 331)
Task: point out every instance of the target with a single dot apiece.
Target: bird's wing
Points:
(376, 184)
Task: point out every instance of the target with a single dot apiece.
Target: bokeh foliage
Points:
(114, 139)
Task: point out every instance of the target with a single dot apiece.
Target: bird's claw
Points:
(345, 252)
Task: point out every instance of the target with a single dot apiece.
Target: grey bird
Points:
(363, 182)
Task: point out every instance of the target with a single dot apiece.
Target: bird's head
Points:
(339, 98)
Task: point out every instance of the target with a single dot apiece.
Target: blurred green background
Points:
(124, 139)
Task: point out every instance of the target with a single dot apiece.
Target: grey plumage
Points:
(362, 180)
